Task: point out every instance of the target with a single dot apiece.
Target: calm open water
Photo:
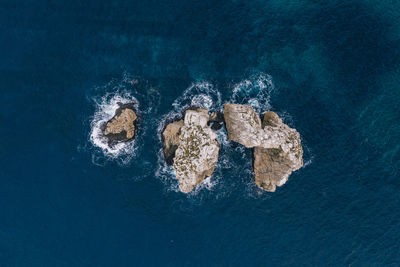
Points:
(330, 68)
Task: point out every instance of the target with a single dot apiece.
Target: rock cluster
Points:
(277, 147)
(121, 127)
(192, 148)
(190, 145)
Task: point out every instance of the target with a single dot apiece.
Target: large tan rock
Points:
(277, 147)
(272, 166)
(197, 149)
(122, 126)
(243, 124)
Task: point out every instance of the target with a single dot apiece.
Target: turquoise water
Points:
(330, 69)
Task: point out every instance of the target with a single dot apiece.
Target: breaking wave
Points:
(254, 91)
(200, 94)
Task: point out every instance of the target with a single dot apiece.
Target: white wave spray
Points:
(254, 91)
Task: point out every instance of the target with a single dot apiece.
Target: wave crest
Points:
(254, 91)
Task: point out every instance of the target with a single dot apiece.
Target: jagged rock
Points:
(171, 140)
(197, 149)
(277, 147)
(122, 126)
(242, 124)
(272, 166)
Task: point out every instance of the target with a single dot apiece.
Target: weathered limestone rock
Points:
(197, 148)
(171, 140)
(122, 126)
(272, 166)
(242, 124)
(277, 147)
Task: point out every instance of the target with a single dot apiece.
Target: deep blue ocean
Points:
(331, 69)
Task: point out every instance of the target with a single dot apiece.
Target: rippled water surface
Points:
(331, 69)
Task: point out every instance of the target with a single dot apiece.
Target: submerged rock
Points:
(197, 149)
(122, 126)
(277, 147)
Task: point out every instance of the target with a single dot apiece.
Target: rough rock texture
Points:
(122, 126)
(171, 140)
(242, 124)
(197, 148)
(272, 166)
(277, 147)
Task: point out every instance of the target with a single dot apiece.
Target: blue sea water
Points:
(330, 68)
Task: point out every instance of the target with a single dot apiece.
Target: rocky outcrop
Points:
(272, 166)
(197, 149)
(277, 147)
(121, 127)
(171, 140)
(242, 124)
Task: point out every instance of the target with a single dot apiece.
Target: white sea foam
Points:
(308, 162)
(254, 91)
(307, 152)
(202, 100)
(199, 94)
(222, 137)
(208, 183)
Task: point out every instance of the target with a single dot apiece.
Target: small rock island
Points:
(277, 147)
(190, 146)
(121, 127)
